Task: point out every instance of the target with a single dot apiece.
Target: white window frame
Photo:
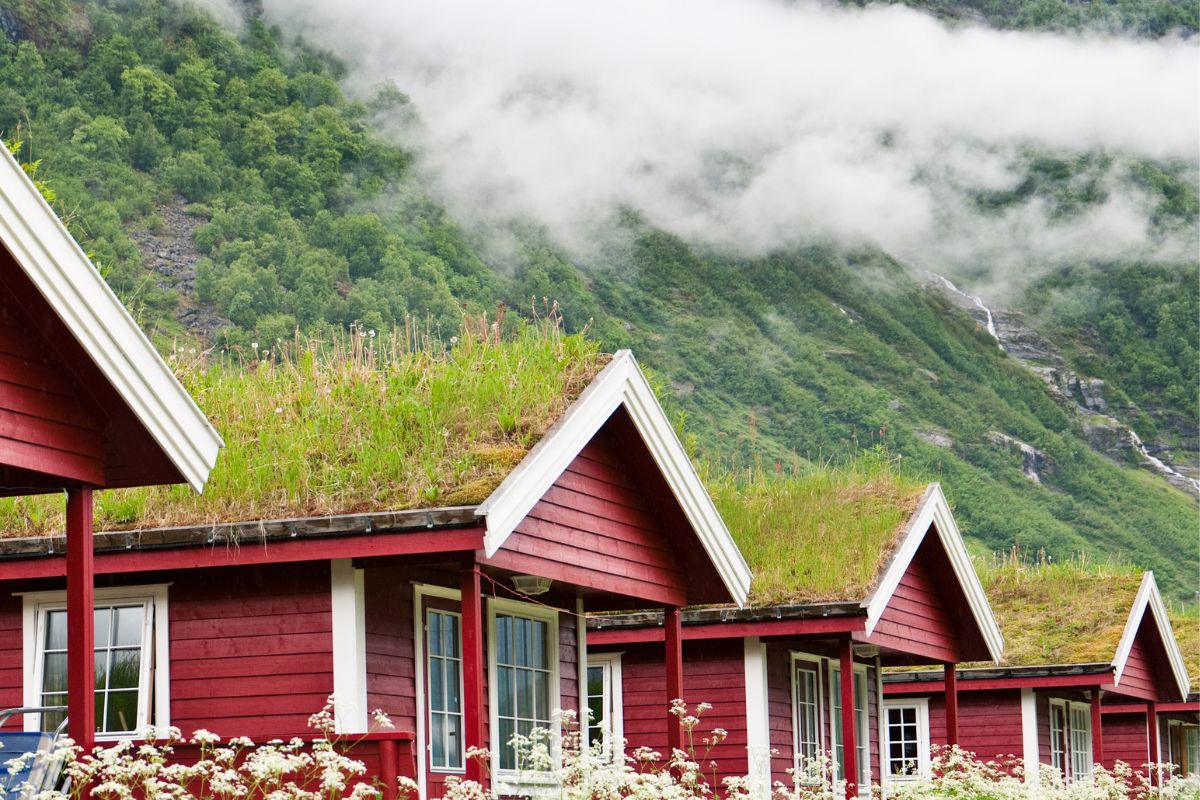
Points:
(1077, 739)
(921, 704)
(420, 592)
(428, 711)
(155, 644)
(614, 730)
(814, 665)
(508, 779)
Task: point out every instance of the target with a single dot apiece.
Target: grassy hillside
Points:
(231, 193)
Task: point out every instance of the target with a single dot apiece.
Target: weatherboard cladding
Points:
(1126, 739)
(917, 618)
(1141, 676)
(989, 724)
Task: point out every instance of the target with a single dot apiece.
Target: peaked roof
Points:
(72, 288)
(621, 384)
(1065, 614)
(934, 513)
(1149, 599)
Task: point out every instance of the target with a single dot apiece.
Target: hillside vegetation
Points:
(232, 193)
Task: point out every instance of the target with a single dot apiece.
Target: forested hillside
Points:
(232, 193)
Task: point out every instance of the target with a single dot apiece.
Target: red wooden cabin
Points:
(787, 680)
(1073, 715)
(462, 623)
(85, 403)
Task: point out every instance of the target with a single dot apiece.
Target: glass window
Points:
(808, 716)
(1191, 751)
(904, 740)
(1081, 740)
(604, 710)
(122, 653)
(1058, 737)
(444, 671)
(523, 675)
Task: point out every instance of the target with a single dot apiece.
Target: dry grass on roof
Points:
(821, 535)
(349, 427)
(1186, 626)
(1065, 613)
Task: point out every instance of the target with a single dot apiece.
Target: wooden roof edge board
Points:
(380, 522)
(74, 289)
(934, 510)
(708, 616)
(991, 673)
(1149, 598)
(620, 384)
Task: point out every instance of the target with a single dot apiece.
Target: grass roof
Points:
(358, 424)
(817, 536)
(1068, 613)
(1186, 625)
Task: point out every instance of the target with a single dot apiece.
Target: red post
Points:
(472, 635)
(849, 734)
(389, 766)
(1152, 732)
(673, 642)
(951, 680)
(81, 634)
(1097, 729)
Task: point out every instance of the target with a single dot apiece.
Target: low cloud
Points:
(753, 124)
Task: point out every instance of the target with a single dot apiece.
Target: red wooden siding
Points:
(779, 711)
(11, 661)
(1126, 739)
(922, 616)
(714, 673)
(391, 670)
(989, 723)
(1143, 676)
(251, 650)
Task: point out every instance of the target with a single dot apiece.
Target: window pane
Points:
(454, 702)
(101, 670)
(508, 758)
(437, 738)
(524, 693)
(504, 692)
(122, 711)
(541, 686)
(537, 633)
(56, 630)
(102, 621)
(504, 639)
(435, 633)
(129, 626)
(454, 741)
(521, 637)
(53, 719)
(436, 692)
(450, 643)
(54, 675)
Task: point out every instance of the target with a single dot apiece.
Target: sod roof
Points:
(344, 428)
(1072, 613)
(820, 536)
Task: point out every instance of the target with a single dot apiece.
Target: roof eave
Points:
(620, 383)
(74, 289)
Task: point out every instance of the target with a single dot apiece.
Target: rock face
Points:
(1034, 463)
(1087, 393)
(171, 253)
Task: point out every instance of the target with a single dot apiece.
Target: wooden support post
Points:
(1097, 729)
(951, 682)
(473, 668)
(389, 767)
(1152, 732)
(673, 644)
(81, 634)
(849, 734)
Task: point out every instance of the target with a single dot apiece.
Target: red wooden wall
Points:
(11, 664)
(391, 671)
(925, 615)
(1126, 739)
(251, 649)
(989, 723)
(1144, 674)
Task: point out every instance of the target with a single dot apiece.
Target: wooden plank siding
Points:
(1126, 739)
(251, 650)
(1145, 675)
(11, 661)
(391, 667)
(923, 616)
(989, 723)
(596, 528)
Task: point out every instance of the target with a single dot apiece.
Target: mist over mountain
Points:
(764, 200)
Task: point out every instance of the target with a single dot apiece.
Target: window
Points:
(1183, 745)
(443, 642)
(130, 658)
(524, 690)
(604, 725)
(860, 721)
(807, 706)
(906, 738)
(1071, 738)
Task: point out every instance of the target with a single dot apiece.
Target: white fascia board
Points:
(621, 383)
(935, 510)
(1149, 597)
(73, 288)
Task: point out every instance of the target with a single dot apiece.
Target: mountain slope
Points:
(232, 193)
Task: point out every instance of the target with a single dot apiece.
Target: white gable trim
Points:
(73, 288)
(935, 511)
(1148, 597)
(621, 383)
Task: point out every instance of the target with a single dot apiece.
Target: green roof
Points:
(1060, 613)
(344, 428)
(820, 536)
